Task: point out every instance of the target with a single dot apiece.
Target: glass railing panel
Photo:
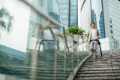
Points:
(75, 49)
(32, 46)
(17, 43)
(81, 48)
(53, 50)
(70, 56)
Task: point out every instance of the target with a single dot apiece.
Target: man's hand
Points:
(98, 37)
(86, 40)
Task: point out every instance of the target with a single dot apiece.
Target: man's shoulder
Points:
(89, 29)
(97, 29)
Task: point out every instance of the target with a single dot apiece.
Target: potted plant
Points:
(76, 30)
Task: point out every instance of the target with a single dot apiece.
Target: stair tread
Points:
(104, 68)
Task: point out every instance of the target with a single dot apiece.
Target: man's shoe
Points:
(96, 56)
(47, 59)
(94, 59)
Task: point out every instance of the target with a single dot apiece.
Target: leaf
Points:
(75, 30)
(5, 12)
(3, 24)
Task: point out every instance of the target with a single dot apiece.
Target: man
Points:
(48, 42)
(49, 48)
(93, 36)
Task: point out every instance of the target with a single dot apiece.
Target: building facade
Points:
(73, 12)
(68, 12)
(97, 16)
(114, 18)
(63, 11)
(85, 14)
(105, 14)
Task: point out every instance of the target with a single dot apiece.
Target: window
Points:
(73, 7)
(110, 26)
(64, 10)
(111, 31)
(74, 12)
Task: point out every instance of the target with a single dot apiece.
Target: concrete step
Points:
(98, 78)
(98, 72)
(98, 75)
(104, 68)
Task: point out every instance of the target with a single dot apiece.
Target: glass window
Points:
(73, 7)
(115, 37)
(115, 15)
(64, 5)
(73, 17)
(115, 23)
(116, 33)
(116, 2)
(64, 10)
(73, 1)
(114, 18)
(110, 26)
(111, 31)
(73, 11)
(63, 0)
(115, 27)
(65, 21)
(64, 16)
(73, 21)
(114, 10)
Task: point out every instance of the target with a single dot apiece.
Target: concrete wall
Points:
(106, 18)
(86, 16)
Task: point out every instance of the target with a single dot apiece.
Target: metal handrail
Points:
(41, 12)
(35, 54)
(49, 18)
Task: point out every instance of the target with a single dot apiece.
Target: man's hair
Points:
(92, 23)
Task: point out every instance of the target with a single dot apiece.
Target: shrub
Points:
(75, 30)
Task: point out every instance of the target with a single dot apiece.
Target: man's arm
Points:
(98, 34)
(87, 36)
(61, 34)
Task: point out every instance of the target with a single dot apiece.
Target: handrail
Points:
(42, 13)
(45, 15)
(67, 63)
(35, 54)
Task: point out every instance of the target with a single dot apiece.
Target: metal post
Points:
(56, 59)
(73, 56)
(77, 53)
(82, 49)
(34, 61)
(86, 49)
(65, 66)
(86, 46)
(34, 65)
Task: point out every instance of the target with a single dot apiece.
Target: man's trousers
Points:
(93, 47)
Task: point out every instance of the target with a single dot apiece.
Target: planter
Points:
(78, 37)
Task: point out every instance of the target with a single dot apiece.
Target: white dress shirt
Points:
(48, 35)
(94, 34)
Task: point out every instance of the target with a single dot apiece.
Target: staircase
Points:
(104, 68)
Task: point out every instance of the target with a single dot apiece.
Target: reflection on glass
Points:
(97, 16)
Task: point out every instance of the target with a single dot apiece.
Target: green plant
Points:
(10, 18)
(75, 30)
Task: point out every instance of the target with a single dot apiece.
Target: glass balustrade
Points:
(35, 46)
